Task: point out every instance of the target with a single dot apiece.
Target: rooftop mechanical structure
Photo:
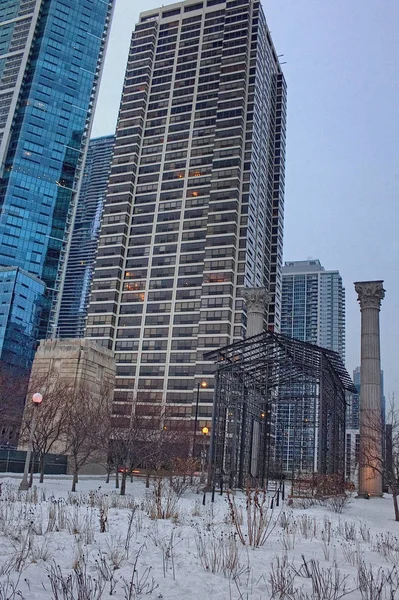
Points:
(254, 375)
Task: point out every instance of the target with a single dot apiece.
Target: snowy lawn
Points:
(96, 544)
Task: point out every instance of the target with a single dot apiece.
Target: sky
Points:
(342, 169)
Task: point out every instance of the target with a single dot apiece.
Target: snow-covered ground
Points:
(48, 534)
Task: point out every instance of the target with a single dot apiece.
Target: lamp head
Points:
(37, 398)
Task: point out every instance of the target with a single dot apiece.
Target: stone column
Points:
(257, 301)
(370, 294)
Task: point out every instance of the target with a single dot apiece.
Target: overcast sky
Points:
(342, 172)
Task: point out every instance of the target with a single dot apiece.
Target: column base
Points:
(367, 495)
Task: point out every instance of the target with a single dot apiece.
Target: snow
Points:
(173, 558)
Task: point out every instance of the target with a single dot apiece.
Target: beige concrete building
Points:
(61, 367)
(76, 361)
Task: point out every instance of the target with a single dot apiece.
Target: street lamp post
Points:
(205, 432)
(201, 384)
(24, 485)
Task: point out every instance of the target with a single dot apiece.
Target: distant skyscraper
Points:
(313, 305)
(352, 415)
(312, 310)
(75, 286)
(194, 207)
(51, 53)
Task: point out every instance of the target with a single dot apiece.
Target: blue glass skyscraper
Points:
(74, 297)
(51, 53)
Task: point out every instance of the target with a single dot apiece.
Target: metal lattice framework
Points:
(257, 382)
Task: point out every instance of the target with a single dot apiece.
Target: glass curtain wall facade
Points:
(21, 294)
(194, 208)
(71, 318)
(313, 310)
(17, 25)
(313, 305)
(48, 103)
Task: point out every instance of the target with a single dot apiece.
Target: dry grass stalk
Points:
(259, 523)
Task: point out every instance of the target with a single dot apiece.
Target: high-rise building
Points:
(194, 207)
(352, 414)
(21, 295)
(51, 54)
(71, 315)
(313, 305)
(312, 310)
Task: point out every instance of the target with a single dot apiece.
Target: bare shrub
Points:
(371, 583)
(130, 531)
(281, 578)
(168, 558)
(259, 522)
(78, 584)
(140, 583)
(116, 552)
(387, 546)
(326, 539)
(218, 552)
(352, 552)
(365, 534)
(307, 526)
(80, 553)
(51, 516)
(289, 526)
(392, 582)
(350, 531)
(81, 523)
(197, 511)
(107, 573)
(181, 475)
(286, 520)
(163, 502)
(22, 549)
(327, 583)
(305, 503)
(339, 504)
(9, 589)
(103, 519)
(40, 549)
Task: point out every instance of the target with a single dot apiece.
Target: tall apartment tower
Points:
(71, 313)
(194, 208)
(313, 305)
(51, 54)
(312, 310)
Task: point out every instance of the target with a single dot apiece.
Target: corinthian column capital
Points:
(369, 294)
(256, 299)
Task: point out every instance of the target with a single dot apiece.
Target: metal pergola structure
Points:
(256, 380)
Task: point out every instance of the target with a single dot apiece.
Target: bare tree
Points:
(131, 445)
(13, 386)
(391, 462)
(87, 427)
(387, 463)
(50, 418)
